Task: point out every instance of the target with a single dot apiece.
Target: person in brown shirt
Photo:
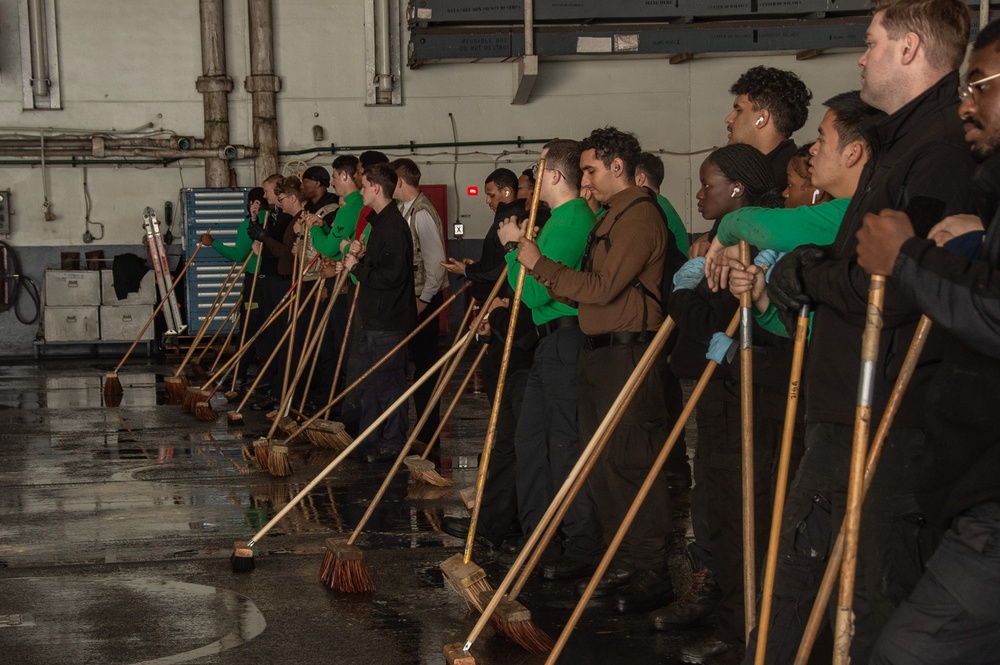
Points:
(627, 247)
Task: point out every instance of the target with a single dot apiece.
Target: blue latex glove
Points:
(690, 274)
(766, 257)
(719, 347)
(968, 245)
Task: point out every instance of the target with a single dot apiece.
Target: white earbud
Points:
(759, 120)
(816, 194)
(736, 192)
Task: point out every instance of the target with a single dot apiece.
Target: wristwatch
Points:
(510, 246)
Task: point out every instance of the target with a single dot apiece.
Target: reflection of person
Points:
(386, 310)
(914, 48)
(952, 615)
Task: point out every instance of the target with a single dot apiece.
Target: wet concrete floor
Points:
(117, 524)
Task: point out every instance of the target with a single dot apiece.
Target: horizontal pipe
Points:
(333, 149)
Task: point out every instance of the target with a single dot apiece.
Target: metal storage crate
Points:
(122, 323)
(65, 288)
(72, 324)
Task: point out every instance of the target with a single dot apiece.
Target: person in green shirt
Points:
(330, 242)
(649, 173)
(546, 442)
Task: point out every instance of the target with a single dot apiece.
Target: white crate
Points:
(146, 295)
(123, 323)
(72, 324)
(72, 288)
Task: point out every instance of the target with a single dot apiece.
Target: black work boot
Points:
(695, 606)
(647, 589)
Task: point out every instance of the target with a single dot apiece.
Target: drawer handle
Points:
(127, 318)
(72, 283)
(70, 319)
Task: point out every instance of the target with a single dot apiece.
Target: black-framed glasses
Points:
(534, 171)
(966, 90)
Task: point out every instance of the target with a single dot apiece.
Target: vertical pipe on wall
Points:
(984, 13)
(215, 85)
(39, 48)
(383, 64)
(529, 27)
(263, 87)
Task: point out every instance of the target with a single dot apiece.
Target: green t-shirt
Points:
(784, 229)
(562, 239)
(239, 252)
(327, 241)
(675, 224)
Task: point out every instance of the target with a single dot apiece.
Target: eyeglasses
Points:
(966, 90)
(534, 171)
(281, 197)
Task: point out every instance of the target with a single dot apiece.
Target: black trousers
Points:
(629, 455)
(250, 320)
(329, 351)
(270, 290)
(424, 351)
(382, 388)
(895, 540)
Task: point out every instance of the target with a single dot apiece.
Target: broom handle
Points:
(333, 295)
(844, 625)
(479, 318)
(454, 402)
(207, 321)
(295, 317)
(435, 397)
(343, 349)
(349, 449)
(747, 462)
(283, 304)
(216, 308)
(458, 334)
(263, 369)
(781, 482)
(332, 403)
(246, 319)
(633, 511)
(159, 307)
(551, 523)
(308, 345)
(836, 554)
(491, 430)
(610, 421)
(289, 394)
(229, 335)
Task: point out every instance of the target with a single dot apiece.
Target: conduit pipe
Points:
(383, 64)
(215, 86)
(263, 87)
(39, 48)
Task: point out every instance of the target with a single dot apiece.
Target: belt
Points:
(556, 324)
(592, 342)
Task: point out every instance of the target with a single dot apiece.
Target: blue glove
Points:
(690, 274)
(719, 347)
(968, 245)
(766, 257)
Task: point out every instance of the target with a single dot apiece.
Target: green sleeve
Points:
(675, 224)
(241, 250)
(784, 229)
(768, 320)
(559, 241)
(326, 243)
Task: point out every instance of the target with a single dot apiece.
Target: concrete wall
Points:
(128, 62)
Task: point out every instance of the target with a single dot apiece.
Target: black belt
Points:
(592, 342)
(556, 324)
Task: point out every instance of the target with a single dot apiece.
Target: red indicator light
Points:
(472, 191)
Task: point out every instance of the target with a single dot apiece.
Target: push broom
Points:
(242, 558)
(113, 390)
(462, 574)
(781, 482)
(458, 653)
(177, 383)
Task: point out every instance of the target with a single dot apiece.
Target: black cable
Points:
(18, 283)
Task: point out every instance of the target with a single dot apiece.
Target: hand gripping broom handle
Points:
(159, 307)
(747, 462)
(818, 613)
(844, 625)
(491, 430)
(781, 482)
(357, 382)
(354, 444)
(610, 421)
(633, 511)
(282, 305)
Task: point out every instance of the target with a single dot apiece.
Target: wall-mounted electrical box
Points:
(5, 212)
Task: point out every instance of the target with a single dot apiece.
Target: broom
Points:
(747, 461)
(113, 390)
(837, 552)
(192, 395)
(242, 557)
(844, 625)
(573, 483)
(781, 482)
(323, 433)
(464, 576)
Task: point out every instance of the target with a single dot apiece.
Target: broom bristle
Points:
(326, 567)
(467, 580)
(204, 412)
(261, 451)
(525, 634)
(198, 371)
(191, 397)
(288, 425)
(242, 558)
(277, 461)
(344, 568)
(424, 492)
(245, 451)
(113, 391)
(175, 388)
(423, 471)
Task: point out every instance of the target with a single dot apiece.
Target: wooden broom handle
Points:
(321, 331)
(159, 307)
(343, 349)
(229, 336)
(454, 402)
(746, 450)
(228, 286)
(203, 328)
(246, 319)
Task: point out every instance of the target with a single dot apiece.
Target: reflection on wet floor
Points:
(119, 522)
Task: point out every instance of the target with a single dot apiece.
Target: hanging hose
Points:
(14, 282)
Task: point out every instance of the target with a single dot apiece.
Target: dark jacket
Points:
(385, 274)
(274, 248)
(961, 466)
(778, 160)
(917, 151)
(484, 273)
